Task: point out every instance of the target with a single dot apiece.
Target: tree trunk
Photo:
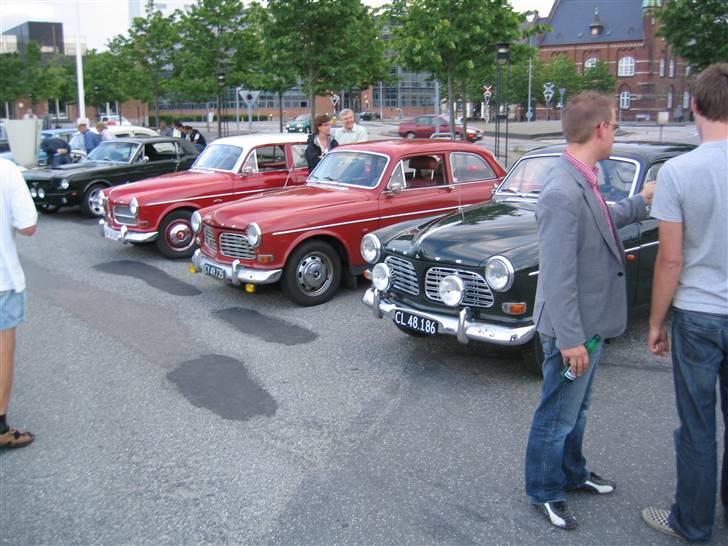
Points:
(450, 95)
(311, 95)
(465, 110)
(280, 111)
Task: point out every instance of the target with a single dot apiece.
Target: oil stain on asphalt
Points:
(151, 275)
(222, 385)
(264, 327)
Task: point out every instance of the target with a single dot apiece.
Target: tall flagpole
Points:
(79, 65)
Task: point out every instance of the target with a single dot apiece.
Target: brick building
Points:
(650, 78)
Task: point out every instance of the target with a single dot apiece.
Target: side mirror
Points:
(247, 171)
(395, 187)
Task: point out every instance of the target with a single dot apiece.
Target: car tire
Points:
(49, 209)
(176, 240)
(90, 203)
(410, 135)
(532, 354)
(312, 274)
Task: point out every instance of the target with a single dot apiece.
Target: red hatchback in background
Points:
(308, 237)
(159, 209)
(426, 126)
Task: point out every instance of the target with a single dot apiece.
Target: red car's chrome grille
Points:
(210, 240)
(235, 245)
(122, 215)
(477, 291)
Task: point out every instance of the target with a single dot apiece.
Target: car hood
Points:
(65, 171)
(472, 236)
(179, 184)
(284, 208)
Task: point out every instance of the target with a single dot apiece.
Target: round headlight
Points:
(253, 235)
(41, 193)
(499, 273)
(370, 248)
(196, 221)
(381, 277)
(33, 193)
(133, 206)
(64, 184)
(451, 290)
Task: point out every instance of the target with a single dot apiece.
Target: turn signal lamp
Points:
(265, 258)
(514, 308)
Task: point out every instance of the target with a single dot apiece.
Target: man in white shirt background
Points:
(350, 131)
(17, 213)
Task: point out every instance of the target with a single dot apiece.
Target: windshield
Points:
(528, 176)
(120, 152)
(350, 168)
(220, 157)
(303, 117)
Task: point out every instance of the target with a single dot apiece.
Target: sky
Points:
(103, 19)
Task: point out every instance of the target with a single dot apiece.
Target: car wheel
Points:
(91, 205)
(49, 209)
(409, 135)
(532, 354)
(312, 274)
(176, 240)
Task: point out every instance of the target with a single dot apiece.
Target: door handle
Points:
(216, 201)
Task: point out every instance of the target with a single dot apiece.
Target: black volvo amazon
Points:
(473, 273)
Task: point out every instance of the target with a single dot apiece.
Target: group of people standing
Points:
(582, 293)
(321, 141)
(186, 132)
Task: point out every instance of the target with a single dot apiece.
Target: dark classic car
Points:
(159, 209)
(308, 236)
(473, 273)
(113, 162)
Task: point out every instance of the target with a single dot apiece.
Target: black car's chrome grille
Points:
(404, 276)
(210, 240)
(235, 245)
(477, 291)
(123, 215)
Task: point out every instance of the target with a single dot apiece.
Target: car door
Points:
(474, 177)
(424, 127)
(157, 158)
(427, 190)
(265, 168)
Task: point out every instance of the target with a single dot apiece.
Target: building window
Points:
(625, 67)
(672, 68)
(669, 98)
(625, 99)
(686, 100)
(662, 67)
(591, 62)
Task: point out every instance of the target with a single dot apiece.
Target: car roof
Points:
(143, 139)
(643, 150)
(401, 147)
(248, 141)
(134, 128)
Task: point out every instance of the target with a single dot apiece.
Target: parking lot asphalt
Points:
(170, 409)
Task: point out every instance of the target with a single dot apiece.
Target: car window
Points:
(220, 157)
(469, 168)
(424, 120)
(653, 170)
(121, 135)
(350, 168)
(299, 155)
(113, 151)
(397, 177)
(615, 178)
(424, 171)
(160, 151)
(271, 158)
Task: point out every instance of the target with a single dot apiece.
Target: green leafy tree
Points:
(598, 78)
(104, 76)
(11, 85)
(562, 72)
(451, 38)
(696, 29)
(332, 45)
(146, 56)
(61, 75)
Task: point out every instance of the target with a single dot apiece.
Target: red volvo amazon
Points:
(308, 237)
(159, 209)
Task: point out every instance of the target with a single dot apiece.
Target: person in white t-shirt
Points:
(17, 214)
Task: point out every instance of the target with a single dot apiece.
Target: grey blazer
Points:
(582, 288)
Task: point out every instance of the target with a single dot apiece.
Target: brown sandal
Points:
(15, 438)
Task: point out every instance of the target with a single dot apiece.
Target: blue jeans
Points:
(554, 461)
(699, 360)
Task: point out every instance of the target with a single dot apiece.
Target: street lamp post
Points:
(501, 58)
(221, 89)
(529, 113)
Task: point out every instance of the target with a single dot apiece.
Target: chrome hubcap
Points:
(315, 274)
(180, 236)
(95, 204)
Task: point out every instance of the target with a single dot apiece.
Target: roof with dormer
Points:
(572, 22)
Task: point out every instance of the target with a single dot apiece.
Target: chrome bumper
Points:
(236, 274)
(123, 235)
(462, 327)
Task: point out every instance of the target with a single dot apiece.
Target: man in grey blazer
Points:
(581, 293)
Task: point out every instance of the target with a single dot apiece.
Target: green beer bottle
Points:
(567, 375)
